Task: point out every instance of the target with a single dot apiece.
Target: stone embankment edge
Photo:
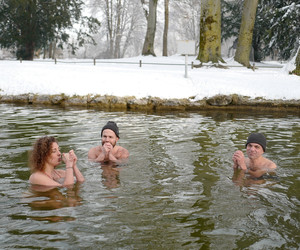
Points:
(154, 103)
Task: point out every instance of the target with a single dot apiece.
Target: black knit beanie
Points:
(112, 126)
(257, 138)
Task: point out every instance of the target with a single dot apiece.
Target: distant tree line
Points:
(265, 28)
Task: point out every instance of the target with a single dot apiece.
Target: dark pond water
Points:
(176, 192)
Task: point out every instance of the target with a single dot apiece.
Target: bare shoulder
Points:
(33, 177)
(119, 148)
(93, 149)
(122, 152)
(93, 152)
(270, 164)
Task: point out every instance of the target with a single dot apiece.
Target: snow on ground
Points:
(113, 77)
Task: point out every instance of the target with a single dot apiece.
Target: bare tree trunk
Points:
(54, 49)
(243, 50)
(29, 51)
(148, 48)
(109, 20)
(297, 70)
(166, 28)
(210, 32)
(128, 37)
(118, 30)
(50, 50)
(119, 22)
(44, 53)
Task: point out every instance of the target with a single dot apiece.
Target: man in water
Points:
(109, 151)
(256, 165)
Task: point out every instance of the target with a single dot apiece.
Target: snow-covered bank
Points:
(151, 80)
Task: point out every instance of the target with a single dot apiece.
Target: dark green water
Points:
(176, 192)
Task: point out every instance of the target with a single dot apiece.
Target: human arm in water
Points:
(77, 173)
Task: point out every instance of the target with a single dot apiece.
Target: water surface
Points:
(176, 192)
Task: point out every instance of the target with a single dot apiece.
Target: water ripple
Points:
(176, 192)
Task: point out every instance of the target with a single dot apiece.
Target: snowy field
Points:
(124, 77)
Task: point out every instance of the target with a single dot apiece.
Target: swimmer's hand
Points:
(72, 156)
(107, 147)
(66, 157)
(239, 160)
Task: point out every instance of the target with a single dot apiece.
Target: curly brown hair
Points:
(41, 150)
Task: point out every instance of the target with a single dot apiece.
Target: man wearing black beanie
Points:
(256, 165)
(109, 151)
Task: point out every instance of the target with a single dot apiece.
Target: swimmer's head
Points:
(259, 139)
(112, 126)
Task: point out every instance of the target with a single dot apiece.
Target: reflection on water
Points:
(178, 190)
(110, 173)
(54, 198)
(245, 180)
(40, 198)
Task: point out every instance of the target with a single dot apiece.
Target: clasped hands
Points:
(107, 150)
(239, 160)
(70, 158)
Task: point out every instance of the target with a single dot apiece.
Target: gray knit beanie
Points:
(257, 138)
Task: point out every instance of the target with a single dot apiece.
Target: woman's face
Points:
(54, 159)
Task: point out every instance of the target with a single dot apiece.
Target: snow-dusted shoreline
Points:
(159, 84)
(219, 102)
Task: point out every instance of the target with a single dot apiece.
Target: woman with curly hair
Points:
(45, 157)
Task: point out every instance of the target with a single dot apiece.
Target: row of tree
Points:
(129, 27)
(280, 16)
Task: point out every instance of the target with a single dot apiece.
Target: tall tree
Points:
(210, 32)
(166, 28)
(296, 71)
(31, 24)
(120, 20)
(113, 14)
(151, 13)
(242, 53)
(186, 16)
(120, 29)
